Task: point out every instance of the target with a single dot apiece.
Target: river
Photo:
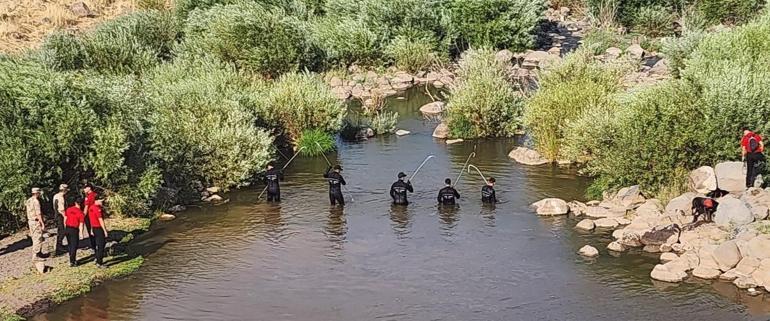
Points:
(302, 260)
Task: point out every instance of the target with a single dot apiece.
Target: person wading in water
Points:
(399, 188)
(335, 185)
(272, 176)
(448, 194)
(751, 152)
(488, 192)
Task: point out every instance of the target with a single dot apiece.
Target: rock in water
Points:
(550, 206)
(402, 132)
(668, 257)
(607, 222)
(586, 225)
(706, 273)
(526, 156)
(166, 217)
(214, 198)
(731, 177)
(661, 272)
(441, 131)
(588, 251)
(703, 180)
(454, 141)
(732, 211)
(433, 109)
(616, 246)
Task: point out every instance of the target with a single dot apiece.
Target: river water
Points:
(302, 260)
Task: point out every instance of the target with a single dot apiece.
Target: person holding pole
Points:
(399, 189)
(448, 194)
(334, 177)
(488, 192)
(272, 176)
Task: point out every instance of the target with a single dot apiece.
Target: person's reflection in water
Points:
(273, 225)
(399, 217)
(448, 216)
(488, 214)
(336, 225)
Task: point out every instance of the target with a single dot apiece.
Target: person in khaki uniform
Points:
(36, 224)
(59, 207)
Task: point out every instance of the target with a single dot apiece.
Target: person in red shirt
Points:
(74, 225)
(751, 152)
(98, 230)
(87, 204)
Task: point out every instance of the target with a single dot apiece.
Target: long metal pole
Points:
(421, 165)
(282, 168)
(462, 169)
(477, 170)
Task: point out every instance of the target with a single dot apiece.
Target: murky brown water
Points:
(302, 260)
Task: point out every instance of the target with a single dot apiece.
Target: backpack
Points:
(708, 203)
(753, 144)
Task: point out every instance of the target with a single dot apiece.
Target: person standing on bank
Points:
(488, 192)
(399, 189)
(59, 208)
(752, 148)
(87, 204)
(448, 194)
(74, 226)
(98, 230)
(335, 179)
(36, 224)
(272, 176)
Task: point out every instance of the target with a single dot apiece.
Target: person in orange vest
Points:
(752, 149)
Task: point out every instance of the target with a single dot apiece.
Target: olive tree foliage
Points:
(495, 23)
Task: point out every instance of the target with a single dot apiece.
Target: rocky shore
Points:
(734, 247)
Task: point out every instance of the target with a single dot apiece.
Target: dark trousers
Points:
(73, 235)
(60, 233)
(91, 240)
(336, 198)
(753, 167)
(273, 196)
(101, 241)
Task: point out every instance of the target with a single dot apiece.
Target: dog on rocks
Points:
(705, 206)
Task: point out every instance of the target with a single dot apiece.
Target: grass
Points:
(315, 142)
(10, 316)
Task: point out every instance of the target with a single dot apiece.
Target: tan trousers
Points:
(36, 233)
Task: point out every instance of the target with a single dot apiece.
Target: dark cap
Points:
(401, 175)
(448, 181)
(337, 167)
(491, 180)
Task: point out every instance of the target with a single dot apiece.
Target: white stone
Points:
(662, 273)
(732, 211)
(706, 273)
(762, 274)
(526, 156)
(213, 189)
(606, 222)
(551, 206)
(454, 141)
(727, 255)
(668, 257)
(433, 109)
(681, 203)
(703, 180)
(166, 217)
(745, 267)
(745, 282)
(214, 198)
(616, 246)
(588, 251)
(731, 177)
(586, 225)
(759, 247)
(577, 208)
(636, 51)
(622, 220)
(402, 132)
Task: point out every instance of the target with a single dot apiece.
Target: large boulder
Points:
(631, 237)
(635, 51)
(550, 206)
(661, 272)
(577, 208)
(660, 235)
(588, 251)
(758, 247)
(703, 180)
(433, 109)
(732, 211)
(762, 274)
(586, 225)
(526, 156)
(680, 204)
(727, 255)
(745, 267)
(630, 197)
(668, 257)
(706, 273)
(651, 207)
(730, 177)
(602, 212)
(441, 131)
(606, 223)
(616, 247)
(758, 201)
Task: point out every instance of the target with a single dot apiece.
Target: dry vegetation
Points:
(25, 23)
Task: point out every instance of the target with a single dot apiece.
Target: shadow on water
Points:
(304, 260)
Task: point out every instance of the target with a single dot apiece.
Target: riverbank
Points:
(25, 292)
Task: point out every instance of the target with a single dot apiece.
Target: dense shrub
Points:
(599, 40)
(483, 103)
(251, 36)
(566, 92)
(654, 21)
(201, 126)
(128, 44)
(729, 11)
(384, 122)
(679, 49)
(412, 54)
(314, 142)
(300, 101)
(347, 41)
(495, 23)
(297, 8)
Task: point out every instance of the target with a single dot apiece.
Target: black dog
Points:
(704, 206)
(717, 193)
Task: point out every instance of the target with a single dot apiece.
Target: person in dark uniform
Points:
(448, 194)
(335, 185)
(488, 192)
(272, 178)
(399, 188)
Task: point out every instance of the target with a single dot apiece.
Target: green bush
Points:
(495, 23)
(128, 44)
(298, 8)
(566, 92)
(412, 55)
(599, 40)
(654, 21)
(347, 41)
(300, 101)
(265, 40)
(679, 49)
(315, 142)
(384, 122)
(201, 125)
(483, 103)
(729, 11)
(607, 13)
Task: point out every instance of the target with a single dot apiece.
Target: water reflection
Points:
(448, 215)
(400, 219)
